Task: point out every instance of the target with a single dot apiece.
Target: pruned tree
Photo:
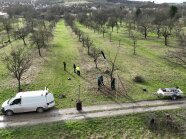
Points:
(159, 17)
(2, 39)
(88, 44)
(179, 55)
(117, 26)
(129, 26)
(69, 19)
(166, 33)
(96, 55)
(21, 33)
(145, 23)
(137, 16)
(112, 22)
(173, 11)
(17, 63)
(41, 38)
(83, 39)
(113, 65)
(134, 39)
(110, 36)
(100, 17)
(7, 26)
(112, 62)
(103, 30)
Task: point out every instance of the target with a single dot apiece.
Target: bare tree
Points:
(110, 36)
(166, 33)
(145, 25)
(88, 44)
(134, 38)
(21, 33)
(129, 26)
(7, 27)
(36, 39)
(18, 62)
(103, 30)
(112, 22)
(2, 38)
(179, 55)
(96, 55)
(112, 62)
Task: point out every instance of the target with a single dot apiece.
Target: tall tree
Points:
(18, 62)
(134, 39)
(7, 26)
(173, 11)
(179, 55)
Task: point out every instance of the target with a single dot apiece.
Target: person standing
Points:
(99, 82)
(65, 65)
(74, 66)
(113, 84)
(78, 71)
(101, 79)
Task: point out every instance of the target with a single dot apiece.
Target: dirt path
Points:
(89, 112)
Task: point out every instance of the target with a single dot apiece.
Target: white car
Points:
(28, 101)
(170, 92)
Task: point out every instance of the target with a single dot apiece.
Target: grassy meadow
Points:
(133, 126)
(150, 62)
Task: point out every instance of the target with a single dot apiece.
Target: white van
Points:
(29, 101)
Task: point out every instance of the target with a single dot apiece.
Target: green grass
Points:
(149, 62)
(131, 126)
(65, 47)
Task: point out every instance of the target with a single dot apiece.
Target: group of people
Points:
(101, 82)
(76, 68)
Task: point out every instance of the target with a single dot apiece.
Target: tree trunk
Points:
(8, 37)
(83, 43)
(145, 32)
(88, 50)
(19, 85)
(134, 48)
(158, 33)
(110, 37)
(112, 28)
(39, 51)
(96, 64)
(24, 41)
(166, 40)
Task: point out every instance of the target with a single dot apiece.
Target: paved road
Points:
(89, 112)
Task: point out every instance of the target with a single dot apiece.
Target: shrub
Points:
(139, 79)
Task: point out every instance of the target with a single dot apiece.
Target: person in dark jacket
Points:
(101, 79)
(74, 66)
(65, 65)
(113, 84)
(99, 83)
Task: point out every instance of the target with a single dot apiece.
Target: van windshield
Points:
(10, 100)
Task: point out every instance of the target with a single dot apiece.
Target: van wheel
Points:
(40, 110)
(9, 113)
(174, 97)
